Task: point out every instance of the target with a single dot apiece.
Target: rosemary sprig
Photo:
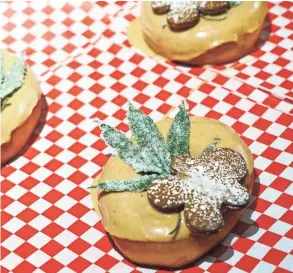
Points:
(177, 227)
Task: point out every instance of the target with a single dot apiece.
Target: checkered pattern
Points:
(48, 224)
(50, 33)
(264, 76)
(269, 67)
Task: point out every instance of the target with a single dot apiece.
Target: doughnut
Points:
(21, 113)
(202, 32)
(177, 218)
(222, 169)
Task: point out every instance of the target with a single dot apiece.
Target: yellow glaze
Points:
(130, 216)
(22, 102)
(135, 36)
(206, 35)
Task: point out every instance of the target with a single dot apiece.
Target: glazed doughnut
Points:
(142, 227)
(219, 35)
(20, 117)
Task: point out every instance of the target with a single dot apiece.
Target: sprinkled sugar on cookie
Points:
(214, 7)
(203, 186)
(166, 207)
(161, 7)
(183, 15)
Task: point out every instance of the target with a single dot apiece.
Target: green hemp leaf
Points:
(150, 156)
(137, 158)
(178, 136)
(138, 184)
(12, 80)
(213, 145)
(146, 134)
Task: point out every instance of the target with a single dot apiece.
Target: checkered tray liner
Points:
(269, 67)
(266, 75)
(48, 224)
(34, 28)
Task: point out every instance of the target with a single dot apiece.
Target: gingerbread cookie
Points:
(159, 199)
(183, 15)
(161, 7)
(204, 186)
(214, 7)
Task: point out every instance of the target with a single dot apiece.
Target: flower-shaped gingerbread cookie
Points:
(186, 14)
(204, 187)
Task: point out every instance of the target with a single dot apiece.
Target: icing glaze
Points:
(22, 102)
(242, 19)
(204, 186)
(130, 215)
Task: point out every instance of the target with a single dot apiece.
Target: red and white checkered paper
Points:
(268, 69)
(48, 223)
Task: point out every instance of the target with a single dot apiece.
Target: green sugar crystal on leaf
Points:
(12, 80)
(147, 134)
(213, 145)
(133, 185)
(149, 155)
(152, 156)
(178, 136)
(234, 3)
(128, 152)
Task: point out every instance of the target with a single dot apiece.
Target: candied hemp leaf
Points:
(178, 136)
(12, 80)
(133, 185)
(146, 134)
(128, 151)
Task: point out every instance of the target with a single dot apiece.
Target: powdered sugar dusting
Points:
(158, 4)
(183, 5)
(202, 186)
(202, 4)
(161, 7)
(181, 10)
(183, 15)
